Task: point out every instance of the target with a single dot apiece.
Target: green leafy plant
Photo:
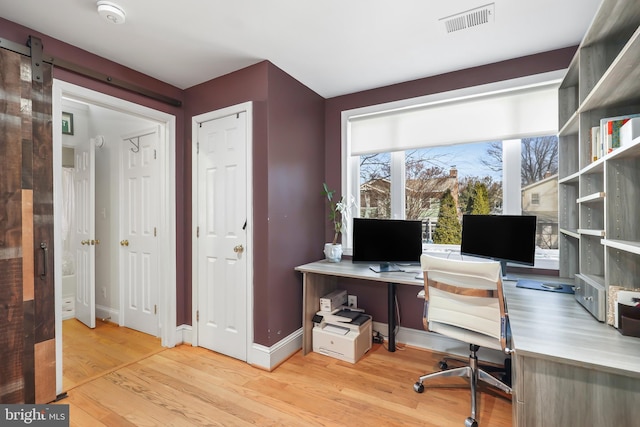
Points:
(338, 212)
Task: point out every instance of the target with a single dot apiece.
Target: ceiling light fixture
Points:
(111, 12)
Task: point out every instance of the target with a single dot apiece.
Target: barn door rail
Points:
(34, 50)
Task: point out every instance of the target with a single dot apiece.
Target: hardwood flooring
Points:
(90, 353)
(190, 386)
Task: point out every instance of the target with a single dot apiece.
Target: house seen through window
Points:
(437, 185)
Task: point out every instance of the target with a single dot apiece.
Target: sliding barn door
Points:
(27, 341)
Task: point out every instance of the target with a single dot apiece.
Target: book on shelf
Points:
(596, 147)
(610, 131)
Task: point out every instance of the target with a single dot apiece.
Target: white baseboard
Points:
(184, 334)
(268, 358)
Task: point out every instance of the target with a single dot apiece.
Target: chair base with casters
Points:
(474, 373)
(504, 372)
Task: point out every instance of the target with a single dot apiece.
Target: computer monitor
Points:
(504, 238)
(385, 243)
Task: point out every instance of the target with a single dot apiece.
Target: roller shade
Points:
(512, 114)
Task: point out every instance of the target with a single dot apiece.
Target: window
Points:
(421, 166)
(470, 175)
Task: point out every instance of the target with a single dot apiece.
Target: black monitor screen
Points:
(506, 238)
(386, 241)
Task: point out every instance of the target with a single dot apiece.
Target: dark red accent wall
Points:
(373, 297)
(288, 168)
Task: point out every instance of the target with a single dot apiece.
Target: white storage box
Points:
(629, 131)
(334, 300)
(344, 342)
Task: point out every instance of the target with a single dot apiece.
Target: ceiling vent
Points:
(469, 19)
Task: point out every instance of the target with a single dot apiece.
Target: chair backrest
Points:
(466, 295)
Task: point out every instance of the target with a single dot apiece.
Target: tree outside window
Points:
(443, 183)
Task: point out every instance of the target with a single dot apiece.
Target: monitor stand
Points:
(503, 267)
(384, 267)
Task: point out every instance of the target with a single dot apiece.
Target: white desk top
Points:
(362, 271)
(543, 324)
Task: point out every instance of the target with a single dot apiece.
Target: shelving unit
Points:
(600, 200)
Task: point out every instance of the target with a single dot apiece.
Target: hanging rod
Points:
(87, 72)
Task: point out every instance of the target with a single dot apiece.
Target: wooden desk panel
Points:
(569, 369)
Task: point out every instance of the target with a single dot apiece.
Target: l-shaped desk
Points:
(568, 368)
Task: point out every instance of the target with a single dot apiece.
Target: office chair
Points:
(464, 301)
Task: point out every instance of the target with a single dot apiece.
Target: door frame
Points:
(196, 120)
(166, 221)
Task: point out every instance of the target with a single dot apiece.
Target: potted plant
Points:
(339, 217)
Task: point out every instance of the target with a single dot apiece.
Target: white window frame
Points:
(350, 168)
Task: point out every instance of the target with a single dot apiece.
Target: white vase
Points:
(333, 253)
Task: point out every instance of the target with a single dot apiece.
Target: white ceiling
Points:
(334, 47)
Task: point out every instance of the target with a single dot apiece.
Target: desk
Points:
(568, 368)
(320, 278)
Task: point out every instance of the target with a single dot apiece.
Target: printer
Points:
(343, 333)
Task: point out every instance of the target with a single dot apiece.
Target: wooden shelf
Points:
(621, 81)
(570, 233)
(623, 245)
(594, 167)
(571, 179)
(595, 197)
(589, 232)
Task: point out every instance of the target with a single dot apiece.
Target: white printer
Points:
(342, 333)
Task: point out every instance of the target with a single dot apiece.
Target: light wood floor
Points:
(189, 386)
(90, 353)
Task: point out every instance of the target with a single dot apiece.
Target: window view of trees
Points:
(439, 193)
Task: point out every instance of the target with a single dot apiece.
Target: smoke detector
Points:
(111, 12)
(471, 18)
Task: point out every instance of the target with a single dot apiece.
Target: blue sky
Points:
(466, 158)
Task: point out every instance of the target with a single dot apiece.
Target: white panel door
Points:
(222, 222)
(139, 243)
(83, 242)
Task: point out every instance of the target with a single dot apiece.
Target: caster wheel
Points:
(470, 422)
(418, 387)
(443, 365)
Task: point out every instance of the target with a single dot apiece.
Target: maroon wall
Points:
(373, 298)
(288, 152)
(296, 207)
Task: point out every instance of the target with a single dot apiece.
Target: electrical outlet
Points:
(104, 292)
(352, 301)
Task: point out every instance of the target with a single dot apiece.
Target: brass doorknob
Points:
(124, 243)
(84, 242)
(238, 249)
(95, 242)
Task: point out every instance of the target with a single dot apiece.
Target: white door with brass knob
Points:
(221, 229)
(138, 231)
(84, 233)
